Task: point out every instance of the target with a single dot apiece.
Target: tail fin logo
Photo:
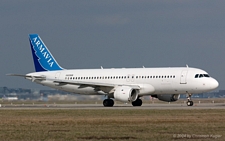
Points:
(44, 53)
(46, 61)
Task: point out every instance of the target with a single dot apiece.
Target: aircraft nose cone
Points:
(214, 84)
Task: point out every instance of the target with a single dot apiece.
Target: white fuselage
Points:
(176, 80)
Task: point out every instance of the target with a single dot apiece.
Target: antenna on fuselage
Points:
(187, 65)
(101, 67)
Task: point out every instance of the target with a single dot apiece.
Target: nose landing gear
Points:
(189, 101)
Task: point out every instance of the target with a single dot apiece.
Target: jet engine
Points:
(125, 94)
(167, 97)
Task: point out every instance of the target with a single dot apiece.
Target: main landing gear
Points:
(137, 102)
(108, 103)
(189, 102)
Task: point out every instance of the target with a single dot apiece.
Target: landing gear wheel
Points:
(137, 102)
(108, 103)
(190, 103)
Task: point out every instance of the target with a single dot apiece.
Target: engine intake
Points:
(125, 94)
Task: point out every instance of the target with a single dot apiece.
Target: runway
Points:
(116, 106)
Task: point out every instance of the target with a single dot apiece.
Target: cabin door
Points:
(183, 77)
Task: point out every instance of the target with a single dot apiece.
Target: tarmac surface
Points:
(168, 106)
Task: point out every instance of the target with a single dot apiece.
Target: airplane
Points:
(122, 84)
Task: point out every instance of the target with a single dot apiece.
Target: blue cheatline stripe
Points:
(43, 59)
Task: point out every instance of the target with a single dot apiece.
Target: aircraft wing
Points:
(106, 87)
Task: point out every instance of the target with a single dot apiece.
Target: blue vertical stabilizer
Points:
(43, 59)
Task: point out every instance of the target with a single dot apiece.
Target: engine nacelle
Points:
(167, 97)
(125, 94)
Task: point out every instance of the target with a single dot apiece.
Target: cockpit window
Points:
(206, 75)
(201, 75)
(196, 76)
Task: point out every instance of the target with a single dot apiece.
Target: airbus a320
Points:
(125, 84)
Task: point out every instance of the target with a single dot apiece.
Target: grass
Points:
(91, 125)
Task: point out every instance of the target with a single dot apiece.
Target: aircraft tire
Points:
(190, 103)
(137, 102)
(108, 103)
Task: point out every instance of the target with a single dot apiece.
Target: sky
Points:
(83, 34)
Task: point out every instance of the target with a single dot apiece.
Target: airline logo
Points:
(45, 59)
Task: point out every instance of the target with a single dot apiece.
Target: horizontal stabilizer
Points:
(20, 75)
(29, 77)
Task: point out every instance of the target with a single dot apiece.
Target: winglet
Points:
(43, 59)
